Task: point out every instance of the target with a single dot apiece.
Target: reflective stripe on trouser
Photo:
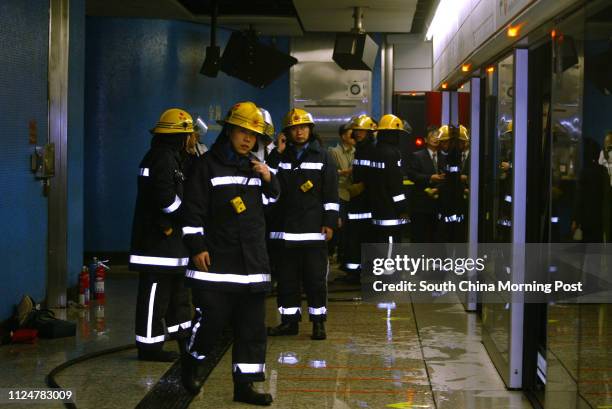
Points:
(381, 234)
(357, 232)
(307, 266)
(163, 310)
(246, 313)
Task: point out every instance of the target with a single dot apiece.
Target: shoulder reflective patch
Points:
(143, 172)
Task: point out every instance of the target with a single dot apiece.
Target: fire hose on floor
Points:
(169, 392)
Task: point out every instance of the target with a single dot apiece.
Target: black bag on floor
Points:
(50, 327)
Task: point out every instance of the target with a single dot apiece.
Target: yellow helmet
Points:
(174, 120)
(444, 133)
(246, 115)
(362, 122)
(464, 135)
(269, 125)
(390, 122)
(506, 131)
(297, 116)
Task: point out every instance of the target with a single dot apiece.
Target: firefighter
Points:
(229, 273)
(359, 212)
(386, 190)
(452, 201)
(307, 212)
(157, 251)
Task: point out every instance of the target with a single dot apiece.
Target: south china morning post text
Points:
(406, 271)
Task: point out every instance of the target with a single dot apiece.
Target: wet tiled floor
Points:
(407, 356)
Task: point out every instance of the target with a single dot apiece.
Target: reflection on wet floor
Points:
(579, 354)
(376, 356)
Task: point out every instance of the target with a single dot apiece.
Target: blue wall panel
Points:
(377, 79)
(23, 98)
(135, 69)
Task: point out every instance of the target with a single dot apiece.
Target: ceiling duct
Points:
(355, 50)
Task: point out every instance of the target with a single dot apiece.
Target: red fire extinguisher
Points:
(99, 283)
(84, 287)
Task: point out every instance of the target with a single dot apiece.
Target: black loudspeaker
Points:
(567, 54)
(210, 68)
(354, 51)
(599, 71)
(251, 61)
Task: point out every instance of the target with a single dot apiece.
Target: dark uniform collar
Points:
(225, 154)
(313, 145)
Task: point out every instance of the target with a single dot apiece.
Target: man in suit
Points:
(425, 170)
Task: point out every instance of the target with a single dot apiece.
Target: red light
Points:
(419, 141)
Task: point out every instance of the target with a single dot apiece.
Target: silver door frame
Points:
(57, 245)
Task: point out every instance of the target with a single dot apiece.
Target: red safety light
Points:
(419, 142)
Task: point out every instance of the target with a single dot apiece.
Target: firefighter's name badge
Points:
(238, 204)
(306, 186)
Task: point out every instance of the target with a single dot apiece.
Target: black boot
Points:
(243, 392)
(286, 328)
(191, 376)
(157, 355)
(318, 330)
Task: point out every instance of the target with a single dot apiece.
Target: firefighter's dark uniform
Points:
(359, 215)
(309, 201)
(157, 249)
(234, 287)
(386, 191)
(453, 204)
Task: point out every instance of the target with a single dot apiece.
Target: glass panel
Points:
(464, 99)
(580, 337)
(496, 154)
(496, 194)
(594, 203)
